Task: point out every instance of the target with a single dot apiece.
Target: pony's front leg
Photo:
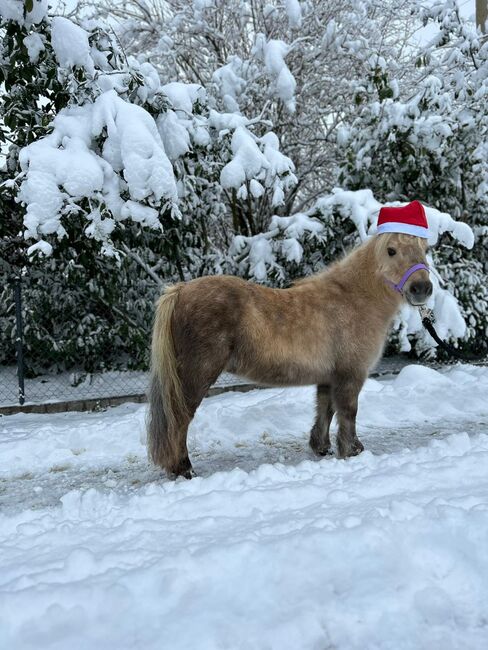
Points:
(345, 399)
(319, 436)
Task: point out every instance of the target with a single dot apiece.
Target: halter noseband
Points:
(399, 287)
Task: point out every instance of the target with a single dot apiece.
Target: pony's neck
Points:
(359, 272)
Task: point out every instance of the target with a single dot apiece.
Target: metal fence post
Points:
(19, 338)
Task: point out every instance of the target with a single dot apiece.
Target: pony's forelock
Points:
(385, 240)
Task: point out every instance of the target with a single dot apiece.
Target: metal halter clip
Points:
(425, 312)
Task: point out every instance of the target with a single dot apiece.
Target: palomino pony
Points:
(328, 329)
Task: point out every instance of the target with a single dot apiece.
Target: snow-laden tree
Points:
(105, 159)
(296, 64)
(111, 153)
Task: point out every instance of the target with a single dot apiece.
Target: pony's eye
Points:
(391, 252)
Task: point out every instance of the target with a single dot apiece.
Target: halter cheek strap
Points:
(399, 287)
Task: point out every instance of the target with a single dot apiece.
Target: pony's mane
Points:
(375, 246)
(345, 258)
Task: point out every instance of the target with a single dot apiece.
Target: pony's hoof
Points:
(358, 447)
(185, 470)
(318, 446)
(187, 473)
(322, 451)
(350, 450)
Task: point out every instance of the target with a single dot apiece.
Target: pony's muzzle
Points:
(419, 291)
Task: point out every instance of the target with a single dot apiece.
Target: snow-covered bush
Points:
(424, 137)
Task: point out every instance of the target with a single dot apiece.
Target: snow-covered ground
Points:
(269, 547)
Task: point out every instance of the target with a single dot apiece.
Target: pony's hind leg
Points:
(180, 462)
(345, 397)
(319, 436)
(198, 373)
(182, 465)
(170, 446)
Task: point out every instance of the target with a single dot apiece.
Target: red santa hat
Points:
(410, 219)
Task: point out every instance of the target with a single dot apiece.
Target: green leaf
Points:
(29, 6)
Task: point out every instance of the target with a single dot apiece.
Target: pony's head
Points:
(397, 253)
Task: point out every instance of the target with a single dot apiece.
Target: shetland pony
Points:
(328, 329)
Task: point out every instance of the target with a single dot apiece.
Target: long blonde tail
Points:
(167, 405)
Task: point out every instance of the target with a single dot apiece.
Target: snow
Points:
(134, 142)
(294, 12)
(34, 45)
(230, 83)
(260, 251)
(441, 222)
(274, 59)
(247, 161)
(61, 168)
(108, 146)
(140, 213)
(297, 225)
(174, 135)
(183, 96)
(70, 44)
(42, 246)
(274, 52)
(152, 83)
(259, 256)
(257, 159)
(269, 547)
(14, 10)
(226, 121)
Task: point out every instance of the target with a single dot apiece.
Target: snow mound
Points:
(416, 376)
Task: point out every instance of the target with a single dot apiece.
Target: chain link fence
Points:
(36, 374)
(24, 383)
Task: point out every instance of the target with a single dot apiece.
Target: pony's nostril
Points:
(421, 289)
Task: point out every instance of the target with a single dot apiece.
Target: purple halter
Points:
(399, 287)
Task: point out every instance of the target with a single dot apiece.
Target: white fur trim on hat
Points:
(404, 228)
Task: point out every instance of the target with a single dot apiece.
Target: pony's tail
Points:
(167, 405)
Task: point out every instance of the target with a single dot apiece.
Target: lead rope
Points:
(428, 321)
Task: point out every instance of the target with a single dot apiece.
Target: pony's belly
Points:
(289, 373)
